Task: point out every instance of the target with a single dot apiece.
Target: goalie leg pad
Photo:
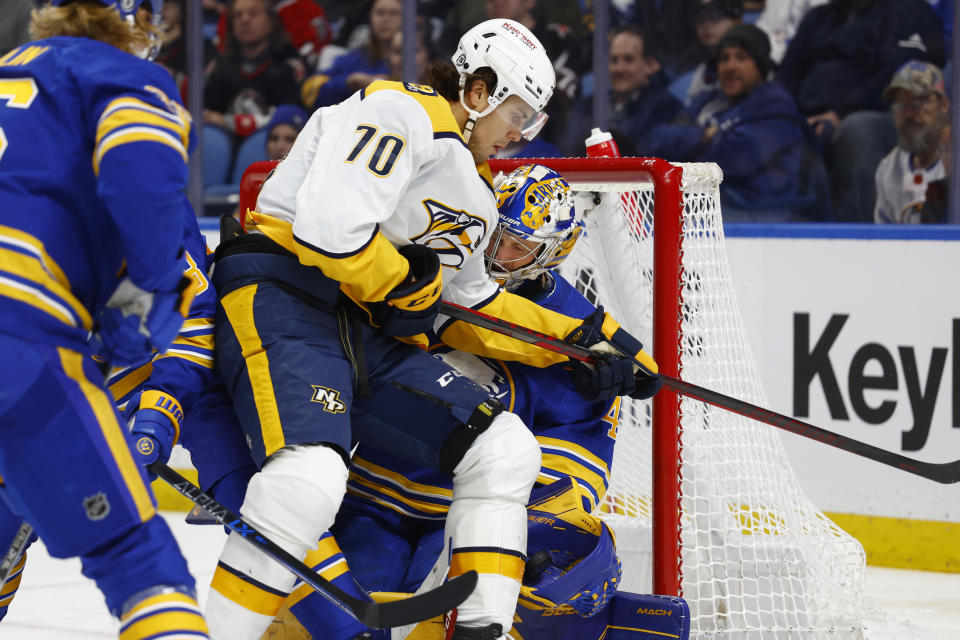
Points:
(486, 527)
(636, 616)
(292, 501)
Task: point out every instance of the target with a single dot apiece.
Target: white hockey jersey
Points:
(385, 168)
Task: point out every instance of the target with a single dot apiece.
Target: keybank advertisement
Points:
(860, 337)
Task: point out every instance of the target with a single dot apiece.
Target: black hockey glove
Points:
(411, 307)
(624, 368)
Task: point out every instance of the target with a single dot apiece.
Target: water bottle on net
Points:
(600, 144)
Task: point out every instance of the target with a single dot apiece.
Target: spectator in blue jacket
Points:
(639, 98)
(357, 68)
(837, 65)
(748, 125)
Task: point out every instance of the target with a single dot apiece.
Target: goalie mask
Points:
(520, 62)
(538, 225)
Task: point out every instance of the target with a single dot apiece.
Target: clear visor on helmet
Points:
(521, 116)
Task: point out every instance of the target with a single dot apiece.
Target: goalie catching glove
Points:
(411, 307)
(622, 367)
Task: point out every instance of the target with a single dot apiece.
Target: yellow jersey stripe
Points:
(238, 306)
(136, 134)
(414, 487)
(22, 239)
(113, 433)
(130, 102)
(125, 117)
(130, 381)
(574, 449)
(426, 507)
(247, 595)
(375, 497)
(595, 489)
(58, 296)
(35, 298)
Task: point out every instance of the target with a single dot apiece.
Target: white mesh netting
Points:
(759, 560)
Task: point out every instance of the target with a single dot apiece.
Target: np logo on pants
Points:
(329, 398)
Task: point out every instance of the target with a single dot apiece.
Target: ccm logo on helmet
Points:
(512, 29)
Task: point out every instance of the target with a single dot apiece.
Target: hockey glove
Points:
(624, 368)
(135, 322)
(156, 426)
(411, 307)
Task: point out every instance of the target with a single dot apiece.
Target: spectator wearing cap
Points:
(750, 126)
(639, 98)
(713, 18)
(836, 66)
(282, 130)
(920, 109)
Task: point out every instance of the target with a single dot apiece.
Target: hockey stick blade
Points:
(378, 615)
(943, 472)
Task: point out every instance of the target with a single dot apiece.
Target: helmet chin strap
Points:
(472, 116)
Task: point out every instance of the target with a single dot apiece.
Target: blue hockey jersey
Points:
(93, 161)
(576, 437)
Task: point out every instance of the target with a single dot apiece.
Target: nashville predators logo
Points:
(453, 234)
(329, 398)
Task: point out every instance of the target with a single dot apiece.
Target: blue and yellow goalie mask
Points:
(537, 217)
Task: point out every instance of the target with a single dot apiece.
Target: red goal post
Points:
(665, 178)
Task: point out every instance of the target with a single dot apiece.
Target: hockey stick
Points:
(17, 547)
(943, 472)
(378, 615)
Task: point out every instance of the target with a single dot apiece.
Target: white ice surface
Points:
(56, 602)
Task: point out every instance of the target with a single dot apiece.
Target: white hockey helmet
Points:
(518, 58)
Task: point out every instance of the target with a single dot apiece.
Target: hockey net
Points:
(704, 502)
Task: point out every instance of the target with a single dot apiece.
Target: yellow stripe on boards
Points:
(238, 306)
(923, 545)
(113, 433)
(168, 498)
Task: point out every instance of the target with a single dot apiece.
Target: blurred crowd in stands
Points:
(815, 110)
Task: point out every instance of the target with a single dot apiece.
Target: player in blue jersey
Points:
(390, 526)
(174, 396)
(93, 158)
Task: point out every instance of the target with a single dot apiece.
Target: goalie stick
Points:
(943, 472)
(378, 615)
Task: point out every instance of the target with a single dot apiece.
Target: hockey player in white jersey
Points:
(376, 212)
